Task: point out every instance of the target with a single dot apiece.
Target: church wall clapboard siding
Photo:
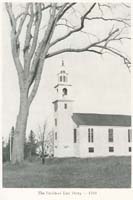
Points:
(101, 142)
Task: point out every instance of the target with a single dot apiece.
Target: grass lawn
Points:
(109, 172)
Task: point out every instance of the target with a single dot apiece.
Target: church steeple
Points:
(63, 137)
(62, 75)
(63, 87)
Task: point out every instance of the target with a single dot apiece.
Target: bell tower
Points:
(63, 124)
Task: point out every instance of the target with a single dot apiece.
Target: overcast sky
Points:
(99, 84)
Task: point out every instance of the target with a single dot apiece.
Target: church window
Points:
(129, 149)
(110, 135)
(65, 105)
(90, 135)
(55, 122)
(64, 79)
(129, 135)
(64, 91)
(60, 78)
(111, 149)
(75, 135)
(55, 135)
(91, 149)
(55, 106)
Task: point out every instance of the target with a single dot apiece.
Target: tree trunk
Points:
(20, 130)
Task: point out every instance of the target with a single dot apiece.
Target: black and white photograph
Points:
(66, 94)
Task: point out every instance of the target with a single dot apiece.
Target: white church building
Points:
(87, 134)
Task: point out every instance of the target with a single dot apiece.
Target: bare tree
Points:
(41, 142)
(45, 142)
(40, 24)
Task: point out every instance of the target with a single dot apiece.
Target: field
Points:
(109, 172)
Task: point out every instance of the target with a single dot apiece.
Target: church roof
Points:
(92, 119)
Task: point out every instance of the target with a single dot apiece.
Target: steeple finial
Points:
(62, 63)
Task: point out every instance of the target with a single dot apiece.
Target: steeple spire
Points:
(62, 63)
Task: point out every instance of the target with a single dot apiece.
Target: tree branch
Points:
(34, 54)
(87, 48)
(66, 9)
(11, 16)
(28, 32)
(125, 59)
(126, 5)
(75, 30)
(41, 54)
(22, 20)
(109, 19)
(15, 45)
(36, 32)
(74, 50)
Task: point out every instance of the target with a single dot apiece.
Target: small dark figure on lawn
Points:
(43, 159)
(43, 155)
